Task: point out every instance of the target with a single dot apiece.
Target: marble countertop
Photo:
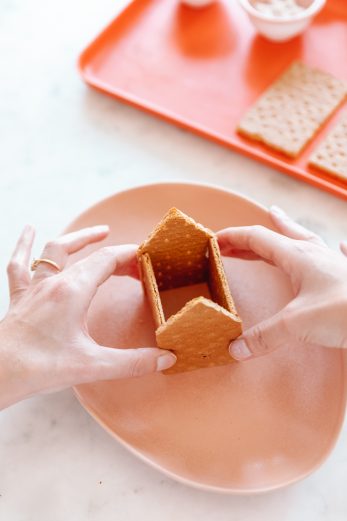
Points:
(63, 147)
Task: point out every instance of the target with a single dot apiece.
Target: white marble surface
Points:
(62, 148)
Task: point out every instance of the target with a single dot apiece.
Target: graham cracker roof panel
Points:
(175, 226)
(177, 248)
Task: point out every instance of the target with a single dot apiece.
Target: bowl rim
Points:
(310, 11)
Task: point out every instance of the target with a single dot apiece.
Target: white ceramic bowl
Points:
(284, 28)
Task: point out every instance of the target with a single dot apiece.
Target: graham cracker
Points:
(331, 155)
(293, 109)
(151, 289)
(177, 247)
(217, 281)
(199, 335)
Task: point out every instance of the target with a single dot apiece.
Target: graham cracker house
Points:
(180, 253)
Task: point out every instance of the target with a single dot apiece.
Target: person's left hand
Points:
(44, 340)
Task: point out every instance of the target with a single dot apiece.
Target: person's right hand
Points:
(318, 312)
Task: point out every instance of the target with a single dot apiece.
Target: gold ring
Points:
(36, 262)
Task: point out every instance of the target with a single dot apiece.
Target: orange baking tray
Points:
(202, 68)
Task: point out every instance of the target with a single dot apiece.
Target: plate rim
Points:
(166, 182)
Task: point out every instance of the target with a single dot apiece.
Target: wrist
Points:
(13, 368)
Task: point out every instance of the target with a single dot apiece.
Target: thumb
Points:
(260, 339)
(107, 363)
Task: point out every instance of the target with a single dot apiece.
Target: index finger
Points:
(59, 249)
(265, 244)
(91, 272)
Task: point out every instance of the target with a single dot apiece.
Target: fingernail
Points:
(239, 350)
(277, 210)
(166, 361)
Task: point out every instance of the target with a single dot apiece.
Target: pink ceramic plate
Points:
(248, 427)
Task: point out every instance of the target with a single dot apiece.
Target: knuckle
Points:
(107, 251)
(14, 267)
(59, 288)
(52, 246)
(259, 340)
(258, 228)
(308, 250)
(312, 237)
(255, 232)
(318, 241)
(300, 246)
(136, 367)
(288, 319)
